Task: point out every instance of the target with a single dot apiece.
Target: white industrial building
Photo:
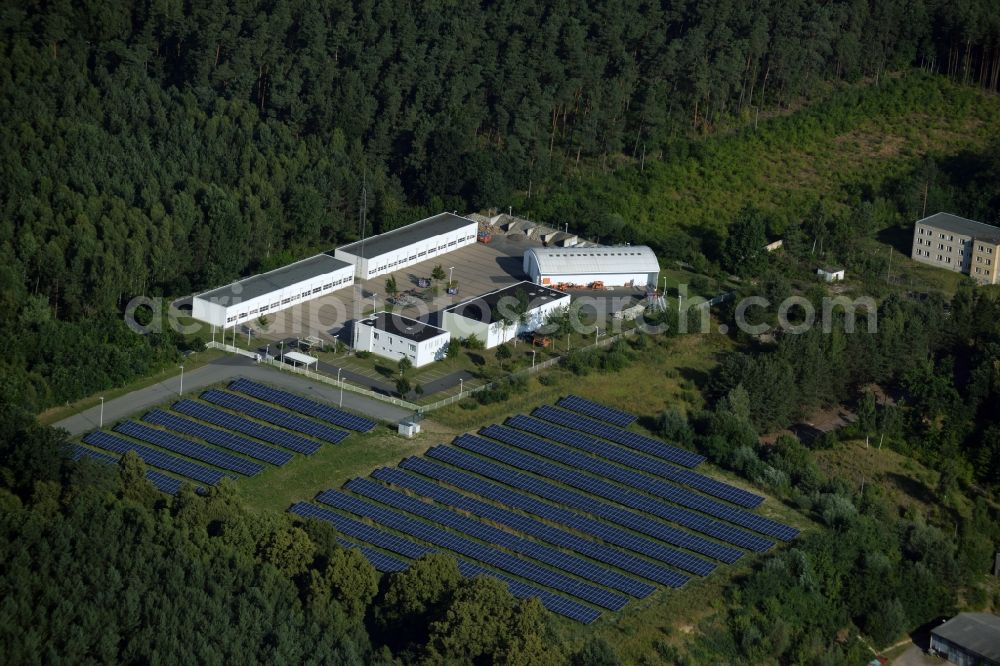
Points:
(399, 248)
(484, 315)
(618, 266)
(394, 336)
(270, 292)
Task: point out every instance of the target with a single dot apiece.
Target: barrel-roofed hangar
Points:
(615, 266)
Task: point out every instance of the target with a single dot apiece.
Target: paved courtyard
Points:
(477, 269)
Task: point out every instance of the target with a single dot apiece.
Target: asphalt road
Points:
(219, 371)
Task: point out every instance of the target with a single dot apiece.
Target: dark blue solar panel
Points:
(218, 437)
(162, 482)
(492, 535)
(554, 602)
(631, 439)
(337, 417)
(407, 548)
(186, 447)
(224, 419)
(639, 481)
(274, 416)
(570, 498)
(596, 410)
(535, 528)
(155, 458)
(486, 554)
(379, 560)
(636, 460)
(613, 492)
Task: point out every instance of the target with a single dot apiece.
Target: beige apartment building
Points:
(957, 244)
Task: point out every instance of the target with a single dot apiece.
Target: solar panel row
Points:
(596, 410)
(639, 481)
(631, 439)
(635, 460)
(492, 535)
(162, 482)
(491, 556)
(615, 493)
(103, 440)
(535, 528)
(565, 497)
(554, 602)
(379, 560)
(236, 423)
(274, 416)
(302, 405)
(186, 447)
(218, 437)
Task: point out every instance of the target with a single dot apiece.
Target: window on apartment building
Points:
(940, 257)
(989, 250)
(980, 248)
(942, 236)
(989, 262)
(920, 231)
(413, 348)
(375, 336)
(979, 270)
(950, 237)
(947, 260)
(961, 252)
(979, 260)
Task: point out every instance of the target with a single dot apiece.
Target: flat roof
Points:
(442, 223)
(405, 327)
(482, 307)
(279, 278)
(974, 632)
(299, 357)
(960, 225)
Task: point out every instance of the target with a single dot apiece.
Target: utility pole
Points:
(100, 423)
(341, 388)
(181, 391)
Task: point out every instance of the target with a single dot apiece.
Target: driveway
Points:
(223, 370)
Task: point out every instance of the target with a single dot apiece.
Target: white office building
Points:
(524, 305)
(399, 248)
(394, 336)
(267, 293)
(617, 266)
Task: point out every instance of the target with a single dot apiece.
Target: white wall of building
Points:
(395, 347)
(494, 334)
(226, 314)
(422, 250)
(614, 266)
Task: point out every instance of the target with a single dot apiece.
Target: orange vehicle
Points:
(598, 284)
(542, 341)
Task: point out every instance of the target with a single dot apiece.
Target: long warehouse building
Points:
(399, 248)
(273, 291)
(617, 266)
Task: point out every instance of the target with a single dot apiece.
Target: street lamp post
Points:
(532, 358)
(100, 423)
(181, 390)
(267, 351)
(282, 343)
(461, 386)
(341, 387)
(597, 334)
(450, 273)
(664, 285)
(249, 330)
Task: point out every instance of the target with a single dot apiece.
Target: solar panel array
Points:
(108, 442)
(474, 550)
(222, 438)
(583, 502)
(532, 527)
(554, 602)
(274, 416)
(631, 439)
(615, 493)
(161, 481)
(639, 481)
(337, 417)
(186, 447)
(224, 419)
(473, 528)
(635, 460)
(596, 410)
(379, 560)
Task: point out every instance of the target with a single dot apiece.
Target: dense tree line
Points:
(162, 147)
(98, 566)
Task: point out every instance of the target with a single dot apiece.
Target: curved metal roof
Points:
(614, 259)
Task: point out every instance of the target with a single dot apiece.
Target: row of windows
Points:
(979, 260)
(926, 253)
(412, 346)
(379, 269)
(988, 250)
(921, 231)
(264, 308)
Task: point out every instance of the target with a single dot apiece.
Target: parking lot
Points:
(476, 268)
